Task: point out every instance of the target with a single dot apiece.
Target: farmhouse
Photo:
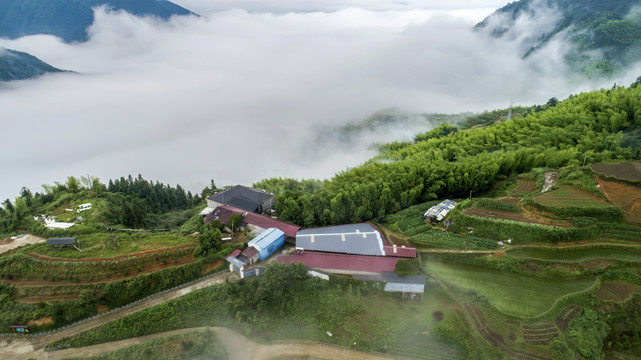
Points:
(242, 197)
(439, 211)
(356, 239)
(259, 248)
(252, 220)
(355, 249)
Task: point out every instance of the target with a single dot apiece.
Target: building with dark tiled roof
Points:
(242, 197)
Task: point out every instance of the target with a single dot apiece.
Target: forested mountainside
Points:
(69, 19)
(17, 65)
(591, 127)
(605, 36)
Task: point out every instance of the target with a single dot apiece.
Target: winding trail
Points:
(238, 348)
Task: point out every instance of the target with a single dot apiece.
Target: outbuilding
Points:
(268, 242)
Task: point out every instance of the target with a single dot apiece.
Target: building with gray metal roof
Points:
(358, 239)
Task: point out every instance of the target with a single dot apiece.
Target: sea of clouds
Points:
(239, 93)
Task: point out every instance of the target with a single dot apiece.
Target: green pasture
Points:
(96, 246)
(511, 293)
(578, 253)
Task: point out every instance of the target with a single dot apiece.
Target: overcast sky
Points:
(239, 94)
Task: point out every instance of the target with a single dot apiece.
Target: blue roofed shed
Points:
(267, 242)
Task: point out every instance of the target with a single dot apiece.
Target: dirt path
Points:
(238, 347)
(113, 258)
(8, 244)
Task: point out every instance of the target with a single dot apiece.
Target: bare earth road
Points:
(238, 347)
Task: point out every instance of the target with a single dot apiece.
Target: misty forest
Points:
(386, 180)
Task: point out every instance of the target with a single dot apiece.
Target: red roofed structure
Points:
(400, 251)
(223, 213)
(342, 263)
(234, 253)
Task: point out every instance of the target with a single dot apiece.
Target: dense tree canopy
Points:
(587, 126)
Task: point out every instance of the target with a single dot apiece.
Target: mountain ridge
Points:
(17, 65)
(69, 19)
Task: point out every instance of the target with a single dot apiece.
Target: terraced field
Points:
(510, 293)
(625, 196)
(617, 291)
(524, 187)
(568, 196)
(577, 253)
(625, 170)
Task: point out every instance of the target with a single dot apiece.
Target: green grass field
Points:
(512, 294)
(93, 246)
(577, 254)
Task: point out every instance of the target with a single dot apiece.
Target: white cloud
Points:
(237, 96)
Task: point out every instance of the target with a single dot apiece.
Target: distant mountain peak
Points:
(69, 19)
(17, 65)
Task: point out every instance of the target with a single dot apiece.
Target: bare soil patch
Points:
(9, 244)
(102, 308)
(438, 316)
(625, 196)
(42, 321)
(510, 200)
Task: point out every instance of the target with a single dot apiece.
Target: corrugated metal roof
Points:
(399, 287)
(266, 238)
(440, 210)
(244, 203)
(319, 260)
(223, 213)
(235, 261)
(246, 192)
(361, 239)
(61, 241)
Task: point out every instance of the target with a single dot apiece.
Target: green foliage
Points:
(279, 185)
(586, 334)
(280, 297)
(623, 320)
(437, 132)
(407, 267)
(585, 125)
(209, 240)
